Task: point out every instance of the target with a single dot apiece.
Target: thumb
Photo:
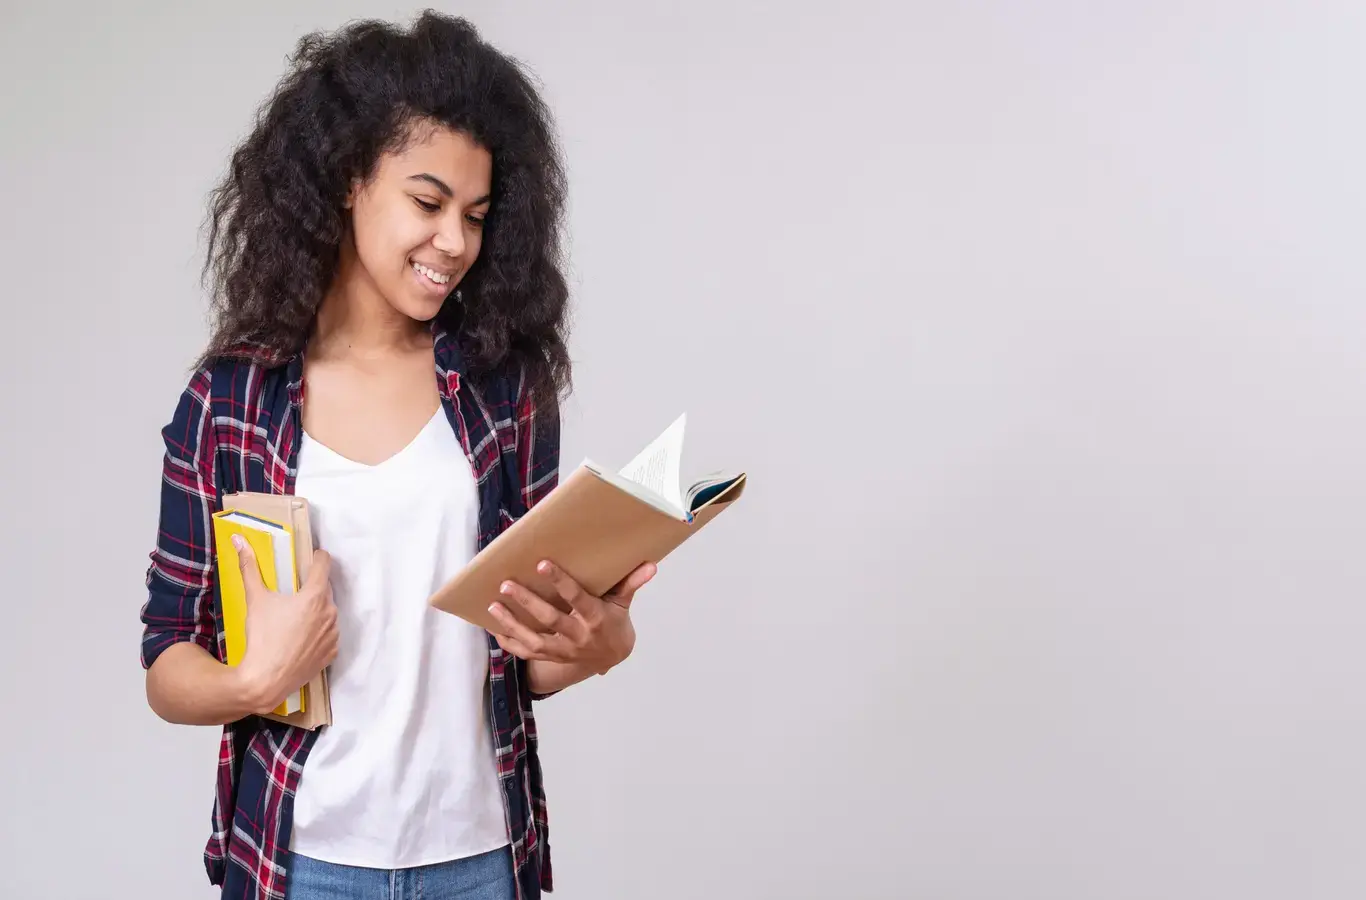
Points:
(251, 570)
(625, 591)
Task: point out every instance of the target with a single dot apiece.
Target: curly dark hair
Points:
(276, 221)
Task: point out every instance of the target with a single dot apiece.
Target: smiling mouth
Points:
(432, 276)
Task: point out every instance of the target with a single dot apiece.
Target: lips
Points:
(433, 276)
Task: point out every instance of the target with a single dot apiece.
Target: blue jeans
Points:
(487, 876)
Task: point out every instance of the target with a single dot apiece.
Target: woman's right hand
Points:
(290, 637)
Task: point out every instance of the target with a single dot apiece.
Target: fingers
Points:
(251, 570)
(625, 591)
(319, 571)
(325, 641)
(546, 615)
(331, 641)
(529, 644)
(331, 631)
(584, 603)
(515, 647)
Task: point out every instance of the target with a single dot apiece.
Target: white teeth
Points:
(433, 276)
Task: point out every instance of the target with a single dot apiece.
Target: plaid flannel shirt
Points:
(236, 428)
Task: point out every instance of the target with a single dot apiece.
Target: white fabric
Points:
(406, 776)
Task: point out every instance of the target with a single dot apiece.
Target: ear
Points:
(350, 199)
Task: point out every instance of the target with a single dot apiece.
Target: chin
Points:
(420, 305)
(418, 298)
(419, 311)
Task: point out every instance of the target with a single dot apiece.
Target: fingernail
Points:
(544, 567)
(505, 588)
(237, 541)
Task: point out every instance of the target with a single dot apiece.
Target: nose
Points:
(450, 237)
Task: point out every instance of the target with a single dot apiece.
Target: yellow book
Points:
(273, 544)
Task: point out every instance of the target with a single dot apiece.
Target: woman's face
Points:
(418, 224)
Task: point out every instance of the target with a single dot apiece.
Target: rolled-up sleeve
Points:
(180, 579)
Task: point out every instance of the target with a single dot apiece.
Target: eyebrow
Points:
(443, 187)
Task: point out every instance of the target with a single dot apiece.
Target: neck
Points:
(355, 320)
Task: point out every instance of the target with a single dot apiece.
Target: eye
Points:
(428, 207)
(475, 220)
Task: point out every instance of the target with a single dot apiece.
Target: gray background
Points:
(1038, 327)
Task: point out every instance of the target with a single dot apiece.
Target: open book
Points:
(598, 526)
(654, 476)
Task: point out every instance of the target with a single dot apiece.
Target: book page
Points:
(708, 486)
(656, 468)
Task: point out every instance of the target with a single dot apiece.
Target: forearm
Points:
(187, 686)
(546, 677)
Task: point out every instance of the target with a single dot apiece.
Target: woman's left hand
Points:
(597, 633)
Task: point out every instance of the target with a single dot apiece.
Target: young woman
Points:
(389, 346)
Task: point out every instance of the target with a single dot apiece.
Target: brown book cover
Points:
(291, 511)
(598, 526)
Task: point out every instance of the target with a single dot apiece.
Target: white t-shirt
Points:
(406, 776)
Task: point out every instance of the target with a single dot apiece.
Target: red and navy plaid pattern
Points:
(236, 428)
